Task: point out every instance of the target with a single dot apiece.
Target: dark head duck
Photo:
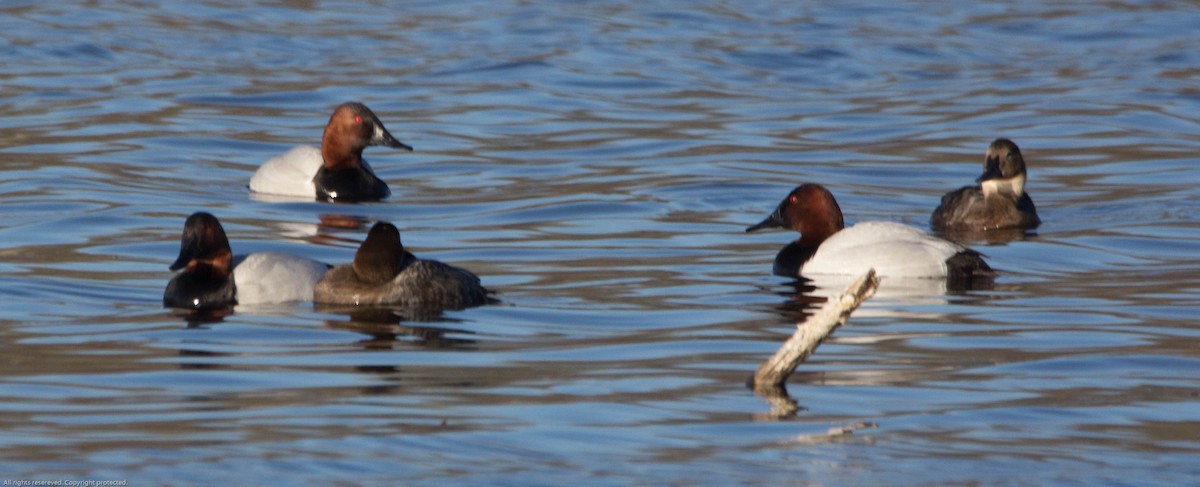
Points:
(206, 281)
(385, 273)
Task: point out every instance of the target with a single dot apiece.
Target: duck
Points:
(999, 201)
(827, 247)
(385, 273)
(336, 172)
(211, 277)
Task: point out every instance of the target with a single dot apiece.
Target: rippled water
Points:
(596, 163)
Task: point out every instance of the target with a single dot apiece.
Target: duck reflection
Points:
(800, 300)
(193, 359)
(201, 318)
(384, 327)
(335, 221)
(326, 230)
(995, 236)
(802, 296)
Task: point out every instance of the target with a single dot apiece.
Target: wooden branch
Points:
(771, 375)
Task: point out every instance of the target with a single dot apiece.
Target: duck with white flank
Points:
(827, 247)
(336, 171)
(213, 277)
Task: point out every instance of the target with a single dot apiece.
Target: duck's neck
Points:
(1011, 188)
(216, 266)
(816, 230)
(812, 233)
(338, 155)
(791, 258)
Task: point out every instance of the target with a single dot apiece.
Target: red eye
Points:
(357, 119)
(792, 198)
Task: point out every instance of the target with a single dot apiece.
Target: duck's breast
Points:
(275, 277)
(289, 174)
(892, 249)
(969, 208)
(341, 286)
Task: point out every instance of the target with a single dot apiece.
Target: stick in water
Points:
(774, 372)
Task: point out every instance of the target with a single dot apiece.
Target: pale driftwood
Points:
(774, 372)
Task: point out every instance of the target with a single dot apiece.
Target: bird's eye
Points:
(357, 119)
(792, 198)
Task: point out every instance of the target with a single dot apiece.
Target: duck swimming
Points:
(827, 247)
(384, 273)
(212, 277)
(998, 201)
(336, 171)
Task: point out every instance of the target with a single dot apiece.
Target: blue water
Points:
(596, 163)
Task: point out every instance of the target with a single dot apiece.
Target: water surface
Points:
(597, 163)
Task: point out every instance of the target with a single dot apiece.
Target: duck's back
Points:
(289, 174)
(429, 283)
(275, 277)
(421, 284)
(892, 249)
(968, 208)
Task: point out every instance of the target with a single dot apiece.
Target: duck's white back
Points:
(893, 249)
(289, 174)
(276, 277)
